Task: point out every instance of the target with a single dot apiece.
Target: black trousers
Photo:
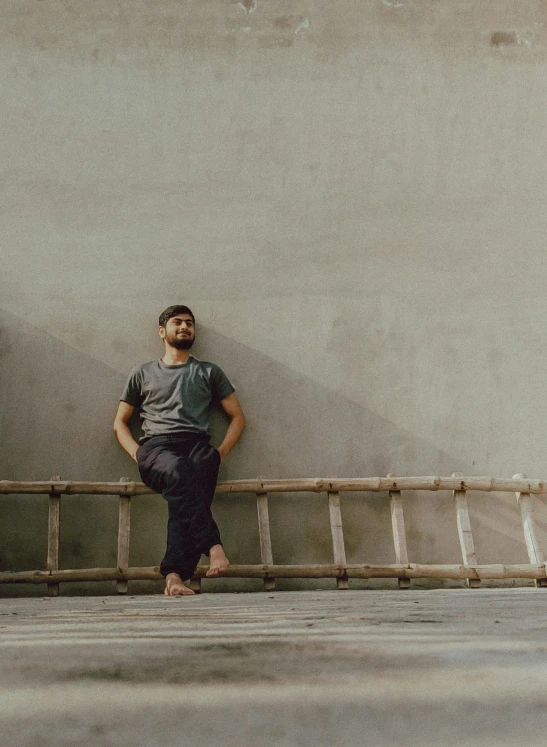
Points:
(184, 469)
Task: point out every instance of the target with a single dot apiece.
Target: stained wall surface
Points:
(350, 196)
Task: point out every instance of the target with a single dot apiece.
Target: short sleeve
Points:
(221, 386)
(132, 393)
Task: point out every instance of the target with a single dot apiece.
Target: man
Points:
(175, 457)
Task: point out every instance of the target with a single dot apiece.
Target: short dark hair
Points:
(172, 311)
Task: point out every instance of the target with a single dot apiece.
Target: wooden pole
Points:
(266, 554)
(307, 485)
(399, 535)
(535, 553)
(124, 530)
(338, 548)
(464, 532)
(53, 536)
(195, 584)
(412, 570)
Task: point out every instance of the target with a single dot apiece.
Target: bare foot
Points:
(175, 588)
(218, 562)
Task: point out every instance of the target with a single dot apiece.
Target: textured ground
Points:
(439, 667)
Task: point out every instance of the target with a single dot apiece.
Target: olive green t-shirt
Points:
(175, 399)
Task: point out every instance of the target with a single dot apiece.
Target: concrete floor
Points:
(439, 667)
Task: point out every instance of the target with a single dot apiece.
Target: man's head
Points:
(177, 327)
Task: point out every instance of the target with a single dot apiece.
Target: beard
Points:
(180, 343)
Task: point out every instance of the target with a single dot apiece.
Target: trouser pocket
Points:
(204, 456)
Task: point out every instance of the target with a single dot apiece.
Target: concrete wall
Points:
(351, 197)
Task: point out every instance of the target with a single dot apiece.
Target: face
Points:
(179, 332)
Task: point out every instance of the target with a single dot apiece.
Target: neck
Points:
(174, 357)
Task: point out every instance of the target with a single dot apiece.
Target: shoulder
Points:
(142, 370)
(219, 383)
(148, 366)
(211, 369)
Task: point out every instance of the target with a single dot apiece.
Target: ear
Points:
(161, 332)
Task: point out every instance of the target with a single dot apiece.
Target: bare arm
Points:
(231, 407)
(121, 429)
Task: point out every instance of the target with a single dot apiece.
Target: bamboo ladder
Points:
(402, 569)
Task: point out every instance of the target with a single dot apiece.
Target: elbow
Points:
(237, 422)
